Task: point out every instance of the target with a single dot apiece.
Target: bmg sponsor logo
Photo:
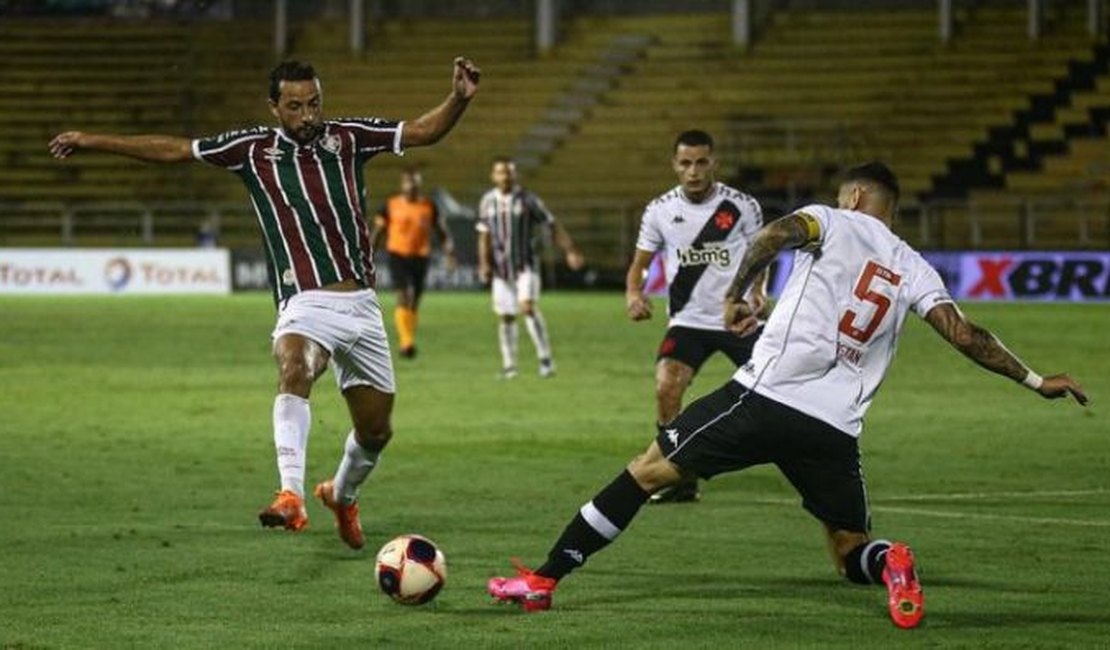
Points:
(705, 255)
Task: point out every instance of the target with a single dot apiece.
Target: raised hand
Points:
(64, 144)
(465, 82)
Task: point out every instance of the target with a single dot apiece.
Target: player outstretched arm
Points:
(792, 231)
(637, 304)
(150, 148)
(430, 127)
(981, 346)
(563, 240)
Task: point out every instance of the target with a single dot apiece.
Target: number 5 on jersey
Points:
(872, 273)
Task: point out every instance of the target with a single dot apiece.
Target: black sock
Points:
(864, 564)
(594, 526)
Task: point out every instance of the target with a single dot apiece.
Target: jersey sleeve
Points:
(926, 288)
(650, 238)
(538, 211)
(228, 150)
(753, 218)
(482, 225)
(374, 135)
(818, 222)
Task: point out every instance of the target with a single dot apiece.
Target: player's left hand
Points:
(740, 317)
(451, 261)
(1056, 386)
(638, 307)
(759, 303)
(575, 261)
(465, 82)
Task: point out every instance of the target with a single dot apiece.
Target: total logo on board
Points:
(21, 275)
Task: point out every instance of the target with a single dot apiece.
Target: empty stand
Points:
(594, 120)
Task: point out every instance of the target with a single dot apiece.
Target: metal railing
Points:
(1056, 222)
(131, 223)
(605, 228)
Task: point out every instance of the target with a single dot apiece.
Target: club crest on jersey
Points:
(273, 154)
(331, 143)
(704, 256)
(724, 220)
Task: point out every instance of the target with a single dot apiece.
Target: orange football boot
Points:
(346, 515)
(286, 511)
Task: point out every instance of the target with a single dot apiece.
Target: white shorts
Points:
(507, 297)
(349, 326)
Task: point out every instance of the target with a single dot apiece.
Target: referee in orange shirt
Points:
(407, 220)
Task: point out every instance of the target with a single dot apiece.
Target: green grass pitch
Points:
(135, 451)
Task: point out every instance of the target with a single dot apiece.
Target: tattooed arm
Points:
(984, 348)
(791, 231)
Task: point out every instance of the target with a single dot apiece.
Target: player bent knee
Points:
(841, 544)
(300, 362)
(653, 471)
(672, 378)
(371, 410)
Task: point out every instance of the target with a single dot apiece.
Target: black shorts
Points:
(733, 428)
(693, 346)
(408, 272)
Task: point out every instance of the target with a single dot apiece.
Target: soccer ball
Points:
(411, 570)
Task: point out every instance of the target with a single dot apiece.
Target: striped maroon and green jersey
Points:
(514, 221)
(310, 199)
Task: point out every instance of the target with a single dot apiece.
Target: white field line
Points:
(983, 496)
(979, 496)
(1056, 521)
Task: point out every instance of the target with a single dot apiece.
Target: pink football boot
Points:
(529, 590)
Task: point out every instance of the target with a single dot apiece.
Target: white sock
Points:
(356, 465)
(291, 423)
(507, 336)
(537, 329)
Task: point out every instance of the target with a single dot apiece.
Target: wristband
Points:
(1032, 380)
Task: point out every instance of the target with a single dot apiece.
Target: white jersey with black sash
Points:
(702, 244)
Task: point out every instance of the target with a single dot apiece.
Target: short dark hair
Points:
(289, 71)
(877, 173)
(497, 160)
(694, 138)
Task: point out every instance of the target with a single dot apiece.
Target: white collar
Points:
(708, 197)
